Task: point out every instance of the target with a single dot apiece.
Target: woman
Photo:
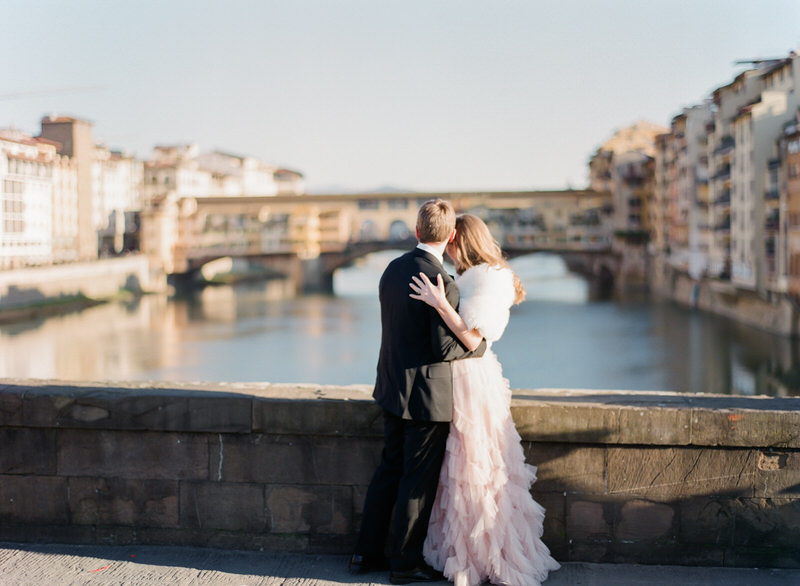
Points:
(485, 524)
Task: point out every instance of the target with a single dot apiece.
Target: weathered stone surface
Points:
(571, 468)
(11, 412)
(212, 538)
(317, 417)
(331, 544)
(566, 423)
(39, 500)
(655, 426)
(746, 428)
(133, 409)
(664, 553)
(118, 501)
(707, 520)
(219, 505)
(27, 451)
(310, 509)
(297, 459)
(30, 533)
(555, 523)
(359, 494)
(129, 454)
(589, 520)
(591, 551)
(767, 522)
(611, 488)
(667, 474)
(641, 521)
(263, 541)
(780, 474)
(762, 557)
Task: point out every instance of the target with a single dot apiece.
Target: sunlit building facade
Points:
(625, 166)
(117, 199)
(754, 195)
(26, 206)
(789, 210)
(76, 140)
(728, 100)
(184, 171)
(684, 185)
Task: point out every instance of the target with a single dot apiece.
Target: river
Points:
(249, 332)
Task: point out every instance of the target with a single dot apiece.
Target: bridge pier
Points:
(314, 276)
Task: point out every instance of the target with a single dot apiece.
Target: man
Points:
(414, 388)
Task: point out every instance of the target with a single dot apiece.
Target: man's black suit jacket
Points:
(414, 378)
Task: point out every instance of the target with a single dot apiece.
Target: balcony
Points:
(723, 226)
(726, 145)
(634, 202)
(724, 198)
(723, 173)
(772, 221)
(772, 193)
(773, 164)
(633, 179)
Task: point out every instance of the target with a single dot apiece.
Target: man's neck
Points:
(435, 248)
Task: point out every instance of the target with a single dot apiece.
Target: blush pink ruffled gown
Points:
(485, 524)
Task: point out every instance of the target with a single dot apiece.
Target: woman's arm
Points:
(434, 295)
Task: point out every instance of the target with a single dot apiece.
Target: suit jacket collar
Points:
(426, 255)
(432, 252)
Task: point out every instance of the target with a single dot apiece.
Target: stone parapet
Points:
(639, 477)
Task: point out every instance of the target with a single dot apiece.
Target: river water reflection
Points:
(249, 333)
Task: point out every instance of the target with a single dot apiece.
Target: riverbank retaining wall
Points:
(97, 280)
(625, 477)
(776, 314)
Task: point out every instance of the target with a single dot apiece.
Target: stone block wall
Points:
(99, 279)
(625, 477)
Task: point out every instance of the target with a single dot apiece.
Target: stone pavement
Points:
(136, 565)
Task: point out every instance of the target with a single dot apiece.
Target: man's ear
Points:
(416, 231)
(452, 236)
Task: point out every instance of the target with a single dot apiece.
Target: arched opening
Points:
(368, 231)
(547, 277)
(398, 231)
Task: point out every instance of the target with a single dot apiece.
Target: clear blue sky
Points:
(358, 94)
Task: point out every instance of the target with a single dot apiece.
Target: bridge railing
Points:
(624, 476)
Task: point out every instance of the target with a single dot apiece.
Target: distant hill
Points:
(338, 189)
(389, 189)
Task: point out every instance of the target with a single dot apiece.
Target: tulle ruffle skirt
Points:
(485, 524)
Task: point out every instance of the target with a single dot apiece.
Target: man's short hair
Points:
(436, 220)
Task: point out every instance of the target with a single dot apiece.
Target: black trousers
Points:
(404, 483)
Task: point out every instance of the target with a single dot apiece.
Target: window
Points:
(397, 204)
(368, 204)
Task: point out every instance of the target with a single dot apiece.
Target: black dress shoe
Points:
(362, 564)
(423, 573)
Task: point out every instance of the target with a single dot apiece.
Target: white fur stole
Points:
(487, 294)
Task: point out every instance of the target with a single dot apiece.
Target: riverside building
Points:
(625, 166)
(789, 216)
(726, 174)
(182, 171)
(26, 211)
(64, 198)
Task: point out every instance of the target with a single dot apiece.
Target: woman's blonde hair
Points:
(475, 245)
